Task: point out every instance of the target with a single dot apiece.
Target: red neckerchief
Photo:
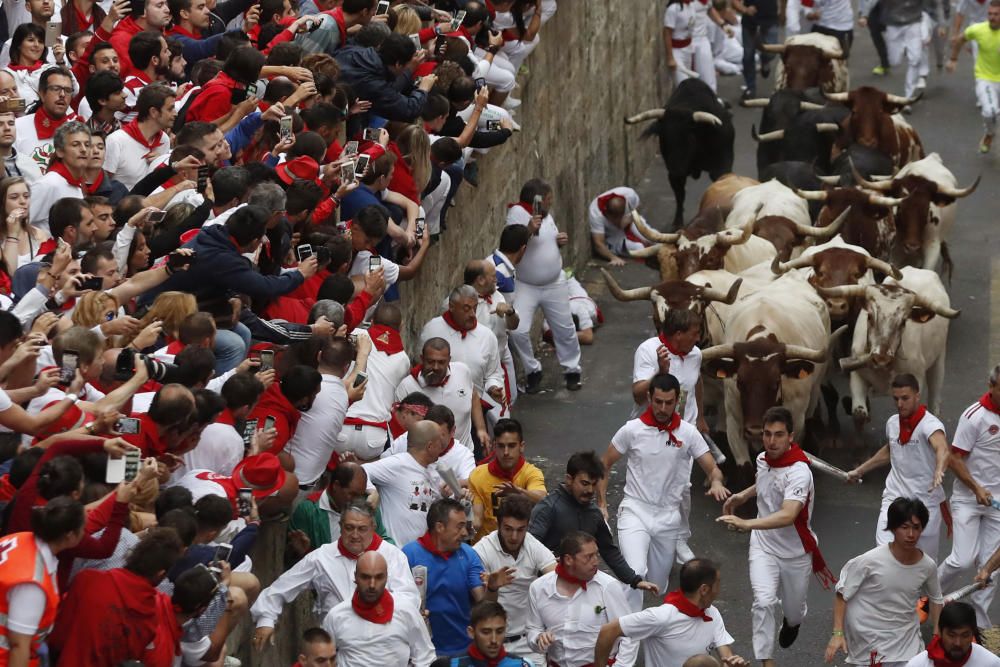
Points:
(604, 200)
(46, 125)
(395, 428)
(820, 569)
(450, 321)
(685, 606)
(338, 16)
(174, 347)
(91, 188)
(488, 299)
(670, 348)
(940, 659)
(494, 467)
(47, 246)
(5, 283)
(191, 34)
(907, 426)
(60, 168)
(987, 402)
(26, 68)
(477, 655)
(82, 22)
(226, 417)
(375, 544)
(427, 542)
(648, 419)
(415, 374)
(566, 576)
(380, 612)
(530, 208)
(385, 339)
(132, 129)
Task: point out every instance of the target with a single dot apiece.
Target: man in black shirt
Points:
(760, 22)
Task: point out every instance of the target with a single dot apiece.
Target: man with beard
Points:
(957, 644)
(35, 132)
(155, 17)
(150, 62)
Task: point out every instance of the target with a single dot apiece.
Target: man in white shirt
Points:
(456, 457)
(64, 178)
(406, 483)
(568, 606)
(374, 628)
(783, 548)
(448, 383)
(133, 149)
(523, 559)
(36, 131)
(329, 571)
(612, 231)
(221, 447)
(540, 283)
(658, 448)
(367, 422)
(917, 450)
(496, 314)
(834, 18)
(685, 625)
(957, 643)
(673, 351)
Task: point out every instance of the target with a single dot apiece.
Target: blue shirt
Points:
(450, 583)
(358, 199)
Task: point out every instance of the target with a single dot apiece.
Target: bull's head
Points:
(870, 123)
(786, 235)
(673, 294)
(701, 253)
(870, 223)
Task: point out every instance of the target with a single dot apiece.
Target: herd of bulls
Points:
(842, 235)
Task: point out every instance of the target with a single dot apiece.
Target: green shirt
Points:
(315, 522)
(988, 60)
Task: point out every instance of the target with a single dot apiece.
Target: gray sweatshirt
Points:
(902, 12)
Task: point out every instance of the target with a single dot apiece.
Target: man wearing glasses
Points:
(35, 131)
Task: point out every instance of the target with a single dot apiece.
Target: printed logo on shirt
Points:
(41, 156)
(422, 496)
(994, 429)
(462, 393)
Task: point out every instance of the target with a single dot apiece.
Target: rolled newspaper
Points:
(964, 591)
(717, 454)
(829, 469)
(451, 479)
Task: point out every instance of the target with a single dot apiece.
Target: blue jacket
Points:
(362, 68)
(466, 661)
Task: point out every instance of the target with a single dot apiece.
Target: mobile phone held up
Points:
(285, 128)
(361, 165)
(53, 34)
(303, 252)
(370, 134)
(70, 362)
(202, 178)
(360, 379)
(128, 425)
(374, 263)
(244, 499)
(266, 364)
(222, 552)
(383, 8)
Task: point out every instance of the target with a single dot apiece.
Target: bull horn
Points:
(807, 353)
(810, 106)
(802, 261)
(879, 200)
(882, 266)
(824, 232)
(712, 294)
(854, 363)
(652, 114)
(812, 195)
(634, 294)
(827, 127)
(645, 253)
(903, 101)
(841, 291)
(717, 352)
(879, 186)
(774, 135)
(652, 234)
(829, 180)
(755, 103)
(707, 118)
(943, 311)
(771, 48)
(960, 192)
(836, 97)
(725, 238)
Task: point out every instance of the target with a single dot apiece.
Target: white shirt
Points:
(659, 469)
(45, 192)
(385, 372)
(978, 433)
(406, 490)
(457, 457)
(670, 637)
(686, 369)
(318, 432)
(881, 595)
(980, 657)
(38, 151)
(220, 449)
(614, 236)
(128, 160)
(476, 348)
(835, 14)
(542, 261)
(581, 305)
(680, 18)
(532, 559)
(456, 393)
(574, 621)
(5, 49)
(27, 601)
(359, 267)
(913, 464)
(486, 315)
(774, 487)
(973, 10)
(402, 641)
(331, 574)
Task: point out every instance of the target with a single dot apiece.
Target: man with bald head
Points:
(407, 484)
(611, 228)
(495, 313)
(164, 428)
(376, 627)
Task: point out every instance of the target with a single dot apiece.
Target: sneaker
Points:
(921, 83)
(511, 103)
(573, 382)
(533, 382)
(986, 143)
(788, 634)
(878, 70)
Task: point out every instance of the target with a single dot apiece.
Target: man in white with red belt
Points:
(612, 231)
(495, 313)
(917, 450)
(975, 460)
(540, 283)
(366, 424)
(783, 548)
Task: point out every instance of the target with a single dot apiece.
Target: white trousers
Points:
(906, 41)
(988, 97)
(696, 56)
(977, 536)
(647, 536)
(553, 299)
(929, 539)
(499, 74)
(367, 442)
(518, 51)
(779, 588)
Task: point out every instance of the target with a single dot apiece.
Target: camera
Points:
(159, 371)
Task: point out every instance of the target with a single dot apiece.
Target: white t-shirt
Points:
(980, 657)
(973, 10)
(477, 348)
(680, 18)
(774, 487)
(456, 393)
(404, 640)
(45, 192)
(614, 236)
(881, 596)
(5, 401)
(659, 469)
(359, 267)
(385, 372)
(913, 464)
(835, 14)
(669, 637)
(220, 449)
(406, 490)
(531, 561)
(686, 369)
(458, 457)
(978, 433)
(128, 160)
(542, 261)
(318, 434)
(581, 305)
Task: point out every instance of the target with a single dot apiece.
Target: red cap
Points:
(300, 167)
(262, 473)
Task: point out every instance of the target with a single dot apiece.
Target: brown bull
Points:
(875, 122)
(698, 246)
(719, 195)
(810, 61)
(673, 295)
(870, 223)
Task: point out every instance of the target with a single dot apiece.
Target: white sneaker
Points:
(511, 103)
(921, 83)
(514, 125)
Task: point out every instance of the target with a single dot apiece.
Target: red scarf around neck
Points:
(494, 467)
(380, 612)
(907, 426)
(60, 168)
(385, 339)
(415, 374)
(792, 456)
(648, 419)
(987, 402)
(46, 125)
(133, 130)
(566, 576)
(478, 655)
(527, 206)
(427, 542)
(26, 68)
(666, 343)
(450, 321)
(685, 606)
(940, 659)
(374, 545)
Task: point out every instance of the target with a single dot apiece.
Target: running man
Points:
(986, 37)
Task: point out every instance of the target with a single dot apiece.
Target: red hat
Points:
(262, 473)
(300, 167)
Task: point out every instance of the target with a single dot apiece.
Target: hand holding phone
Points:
(374, 263)
(266, 364)
(285, 128)
(67, 370)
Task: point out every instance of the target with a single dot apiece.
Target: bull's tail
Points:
(947, 266)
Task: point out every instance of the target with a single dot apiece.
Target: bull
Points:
(870, 223)
(719, 195)
(696, 135)
(778, 113)
(811, 60)
(874, 121)
(808, 138)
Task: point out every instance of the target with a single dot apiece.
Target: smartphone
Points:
(536, 204)
(128, 425)
(421, 223)
(222, 552)
(420, 579)
(244, 497)
(285, 125)
(114, 473)
(176, 260)
(440, 45)
(492, 125)
(347, 172)
(13, 105)
(370, 134)
(156, 217)
(53, 33)
(266, 363)
(360, 379)
(251, 90)
(313, 26)
(269, 423)
(249, 430)
(202, 178)
(303, 252)
(383, 8)
(352, 339)
(132, 462)
(415, 38)
(480, 83)
(374, 262)
(460, 15)
(361, 165)
(323, 255)
(350, 148)
(70, 362)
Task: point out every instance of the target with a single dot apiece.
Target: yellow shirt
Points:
(988, 60)
(482, 483)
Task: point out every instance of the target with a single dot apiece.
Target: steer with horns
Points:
(875, 122)
(870, 223)
(811, 60)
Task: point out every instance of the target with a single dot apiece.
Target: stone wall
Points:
(598, 61)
